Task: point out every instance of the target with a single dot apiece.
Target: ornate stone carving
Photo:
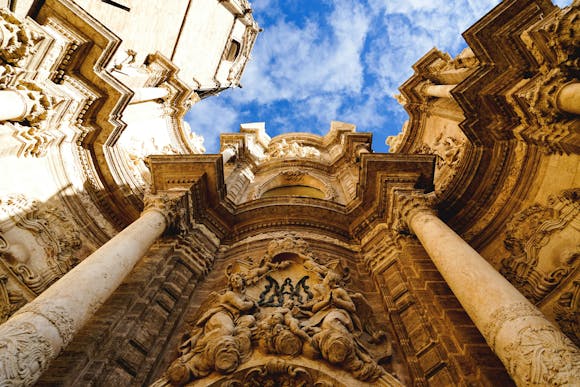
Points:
(286, 304)
(542, 356)
(279, 373)
(17, 40)
(40, 243)
(504, 315)
(57, 316)
(567, 312)
(536, 265)
(172, 207)
(405, 204)
(284, 149)
(449, 151)
(25, 353)
(10, 301)
(221, 339)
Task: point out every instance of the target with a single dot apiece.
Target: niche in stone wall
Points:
(295, 183)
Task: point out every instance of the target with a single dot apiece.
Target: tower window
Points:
(233, 51)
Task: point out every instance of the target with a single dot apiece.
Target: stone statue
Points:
(287, 319)
(335, 327)
(221, 339)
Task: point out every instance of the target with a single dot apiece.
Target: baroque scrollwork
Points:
(541, 355)
(279, 373)
(286, 304)
(534, 265)
(24, 353)
(39, 245)
(567, 312)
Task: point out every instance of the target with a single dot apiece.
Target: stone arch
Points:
(295, 183)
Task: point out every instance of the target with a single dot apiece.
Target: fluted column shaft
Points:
(533, 350)
(37, 333)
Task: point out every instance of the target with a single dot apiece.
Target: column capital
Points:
(406, 204)
(172, 205)
(17, 40)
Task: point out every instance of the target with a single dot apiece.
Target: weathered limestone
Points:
(144, 94)
(440, 91)
(533, 350)
(13, 106)
(39, 331)
(568, 98)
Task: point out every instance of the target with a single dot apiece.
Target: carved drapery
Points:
(536, 265)
(286, 304)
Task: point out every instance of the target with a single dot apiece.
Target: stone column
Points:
(440, 91)
(37, 333)
(13, 106)
(533, 350)
(144, 94)
(568, 98)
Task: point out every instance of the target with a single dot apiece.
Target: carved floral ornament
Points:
(288, 308)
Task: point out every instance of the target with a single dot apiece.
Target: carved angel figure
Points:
(335, 328)
(221, 339)
(281, 332)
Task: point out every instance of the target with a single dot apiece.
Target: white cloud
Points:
(210, 117)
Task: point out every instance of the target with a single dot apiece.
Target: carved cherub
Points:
(221, 339)
(335, 328)
(281, 332)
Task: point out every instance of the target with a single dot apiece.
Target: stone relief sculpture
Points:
(448, 151)
(542, 242)
(567, 312)
(38, 245)
(287, 304)
(221, 339)
(291, 149)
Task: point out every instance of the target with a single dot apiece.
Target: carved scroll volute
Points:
(287, 304)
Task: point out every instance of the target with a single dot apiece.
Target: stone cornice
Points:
(380, 175)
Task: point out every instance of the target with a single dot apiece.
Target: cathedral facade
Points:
(130, 257)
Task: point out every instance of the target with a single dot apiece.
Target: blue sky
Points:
(323, 60)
